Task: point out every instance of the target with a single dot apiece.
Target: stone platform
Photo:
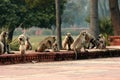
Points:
(32, 56)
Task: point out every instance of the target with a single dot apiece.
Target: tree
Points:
(58, 24)
(27, 13)
(94, 28)
(8, 16)
(115, 16)
(103, 8)
(75, 13)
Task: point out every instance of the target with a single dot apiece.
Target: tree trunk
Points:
(94, 24)
(10, 34)
(115, 16)
(58, 24)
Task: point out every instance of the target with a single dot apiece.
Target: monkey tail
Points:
(76, 54)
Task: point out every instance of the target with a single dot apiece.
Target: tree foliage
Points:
(8, 14)
(39, 13)
(75, 13)
(27, 13)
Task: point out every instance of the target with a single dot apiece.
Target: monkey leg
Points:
(77, 52)
(4, 48)
(69, 46)
(8, 49)
(93, 43)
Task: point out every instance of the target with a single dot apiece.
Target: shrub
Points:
(14, 45)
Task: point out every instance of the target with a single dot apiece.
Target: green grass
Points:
(35, 40)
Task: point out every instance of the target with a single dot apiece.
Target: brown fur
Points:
(46, 44)
(21, 40)
(28, 44)
(68, 40)
(101, 42)
(1, 48)
(83, 40)
(77, 42)
(55, 47)
(41, 48)
(3, 39)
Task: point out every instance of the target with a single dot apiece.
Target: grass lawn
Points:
(35, 40)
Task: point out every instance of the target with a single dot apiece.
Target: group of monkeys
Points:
(84, 40)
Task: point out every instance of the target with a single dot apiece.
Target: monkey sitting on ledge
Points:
(101, 42)
(21, 40)
(68, 40)
(4, 43)
(28, 44)
(84, 40)
(46, 44)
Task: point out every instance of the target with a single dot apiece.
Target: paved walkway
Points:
(91, 69)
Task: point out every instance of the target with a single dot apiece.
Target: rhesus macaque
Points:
(28, 44)
(101, 42)
(22, 47)
(46, 44)
(68, 40)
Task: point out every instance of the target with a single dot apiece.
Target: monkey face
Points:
(21, 39)
(100, 36)
(54, 38)
(84, 33)
(4, 34)
(68, 34)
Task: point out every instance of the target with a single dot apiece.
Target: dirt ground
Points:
(90, 69)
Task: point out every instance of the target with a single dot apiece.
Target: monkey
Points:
(21, 40)
(90, 40)
(3, 36)
(3, 39)
(55, 47)
(68, 40)
(46, 44)
(1, 48)
(101, 42)
(83, 40)
(28, 44)
(78, 43)
(49, 41)
(41, 48)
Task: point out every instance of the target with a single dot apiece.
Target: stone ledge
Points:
(32, 56)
